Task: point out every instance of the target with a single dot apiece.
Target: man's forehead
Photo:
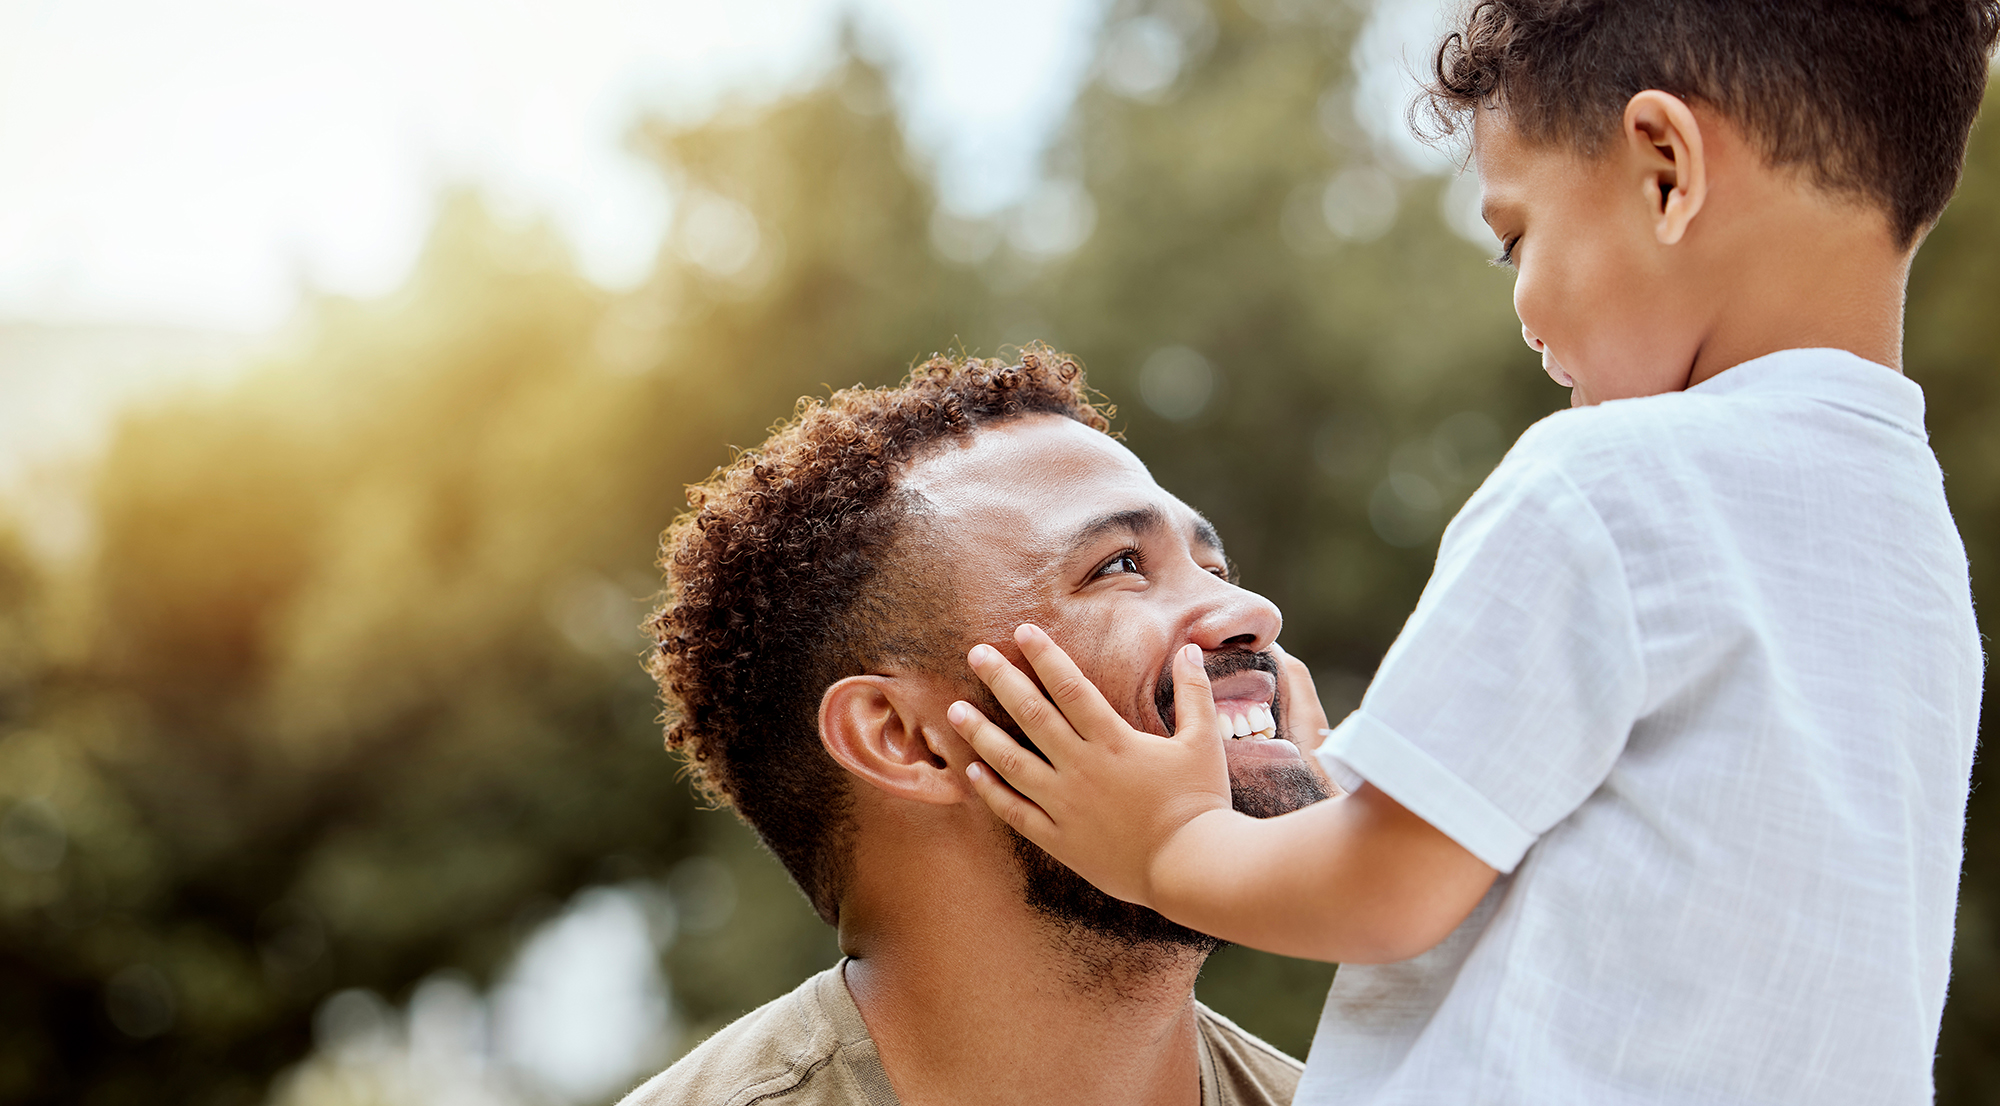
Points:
(1037, 478)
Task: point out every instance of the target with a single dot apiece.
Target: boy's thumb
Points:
(1194, 700)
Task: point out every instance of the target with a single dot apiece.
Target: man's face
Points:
(1044, 520)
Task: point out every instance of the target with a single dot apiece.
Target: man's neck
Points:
(981, 1001)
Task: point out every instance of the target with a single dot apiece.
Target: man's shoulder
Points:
(811, 1048)
(806, 1048)
(1248, 1072)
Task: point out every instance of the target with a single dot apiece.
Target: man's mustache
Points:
(1226, 662)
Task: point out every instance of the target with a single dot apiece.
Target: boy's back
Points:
(1744, 611)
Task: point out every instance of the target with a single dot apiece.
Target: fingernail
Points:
(960, 713)
(1192, 652)
(982, 654)
(974, 770)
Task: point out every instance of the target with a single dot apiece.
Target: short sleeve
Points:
(1511, 691)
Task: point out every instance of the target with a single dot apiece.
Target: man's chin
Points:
(1067, 899)
(1265, 787)
(1266, 778)
(1262, 787)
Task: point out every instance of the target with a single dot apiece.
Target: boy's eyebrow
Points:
(1495, 200)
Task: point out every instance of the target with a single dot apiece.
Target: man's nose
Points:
(1239, 620)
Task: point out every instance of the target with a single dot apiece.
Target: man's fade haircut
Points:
(775, 589)
(1871, 98)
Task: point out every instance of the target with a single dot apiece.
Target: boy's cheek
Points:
(1568, 311)
(1536, 321)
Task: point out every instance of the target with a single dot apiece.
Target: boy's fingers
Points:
(1016, 765)
(1194, 700)
(1044, 723)
(1082, 705)
(1007, 804)
(1305, 717)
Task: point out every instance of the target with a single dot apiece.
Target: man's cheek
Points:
(1110, 654)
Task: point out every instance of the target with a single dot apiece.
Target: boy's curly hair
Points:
(781, 579)
(1874, 98)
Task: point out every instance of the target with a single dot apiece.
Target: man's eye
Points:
(1127, 561)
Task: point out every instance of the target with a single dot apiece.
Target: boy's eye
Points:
(1506, 258)
(1128, 561)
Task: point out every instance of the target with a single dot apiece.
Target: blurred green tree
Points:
(348, 693)
(1952, 348)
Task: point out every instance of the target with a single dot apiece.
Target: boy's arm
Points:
(1147, 819)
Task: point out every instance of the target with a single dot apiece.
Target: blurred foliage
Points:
(347, 690)
(1953, 349)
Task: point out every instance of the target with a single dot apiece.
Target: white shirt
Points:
(1699, 671)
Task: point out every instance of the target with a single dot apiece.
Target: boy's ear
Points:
(1664, 140)
(873, 727)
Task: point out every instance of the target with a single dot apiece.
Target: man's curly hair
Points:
(781, 580)
(1873, 98)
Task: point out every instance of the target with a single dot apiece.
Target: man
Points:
(822, 593)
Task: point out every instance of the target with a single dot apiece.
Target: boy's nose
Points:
(1528, 336)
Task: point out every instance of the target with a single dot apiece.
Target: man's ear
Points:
(1664, 139)
(873, 727)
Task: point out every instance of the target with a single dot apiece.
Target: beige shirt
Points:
(810, 1048)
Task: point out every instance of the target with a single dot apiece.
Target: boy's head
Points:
(1806, 122)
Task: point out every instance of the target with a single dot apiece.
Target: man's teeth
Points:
(1255, 722)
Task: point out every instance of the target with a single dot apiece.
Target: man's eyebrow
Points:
(1204, 534)
(1139, 520)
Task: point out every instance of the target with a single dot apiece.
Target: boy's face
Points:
(1596, 293)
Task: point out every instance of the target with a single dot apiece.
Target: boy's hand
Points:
(1305, 716)
(1111, 799)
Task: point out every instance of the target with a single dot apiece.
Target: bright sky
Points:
(197, 163)
(200, 164)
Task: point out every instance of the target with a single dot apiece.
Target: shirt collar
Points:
(1832, 376)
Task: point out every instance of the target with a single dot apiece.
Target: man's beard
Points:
(1061, 896)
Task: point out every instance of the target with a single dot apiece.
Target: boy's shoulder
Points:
(1624, 444)
(1775, 406)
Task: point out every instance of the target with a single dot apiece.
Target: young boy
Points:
(1659, 795)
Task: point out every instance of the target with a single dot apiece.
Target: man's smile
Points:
(1243, 704)
(1245, 685)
